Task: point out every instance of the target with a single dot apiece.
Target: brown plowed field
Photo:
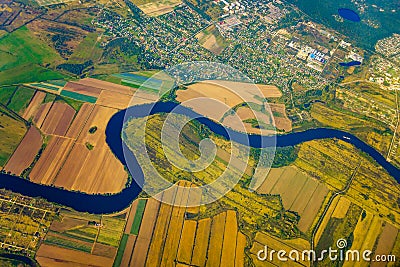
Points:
(107, 86)
(58, 119)
(48, 165)
(34, 105)
(386, 242)
(41, 114)
(82, 89)
(99, 118)
(92, 171)
(26, 152)
(80, 120)
(282, 122)
(53, 256)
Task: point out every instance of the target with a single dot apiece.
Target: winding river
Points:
(116, 202)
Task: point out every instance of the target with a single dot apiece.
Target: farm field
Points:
(299, 193)
(23, 61)
(114, 100)
(58, 119)
(83, 89)
(212, 40)
(250, 121)
(155, 7)
(173, 238)
(106, 86)
(257, 122)
(228, 94)
(48, 86)
(90, 171)
(25, 153)
(92, 239)
(282, 122)
(71, 130)
(41, 113)
(231, 95)
(51, 160)
(75, 146)
(80, 120)
(34, 105)
(20, 99)
(12, 131)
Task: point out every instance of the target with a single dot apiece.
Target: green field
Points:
(22, 55)
(79, 97)
(6, 93)
(44, 86)
(138, 216)
(110, 232)
(57, 82)
(21, 98)
(12, 131)
(26, 73)
(121, 249)
(87, 49)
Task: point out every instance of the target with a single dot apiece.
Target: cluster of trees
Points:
(76, 69)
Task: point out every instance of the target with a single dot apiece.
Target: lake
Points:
(349, 14)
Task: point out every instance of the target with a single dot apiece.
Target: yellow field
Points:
(227, 93)
(299, 192)
(216, 240)
(229, 244)
(240, 247)
(160, 230)
(187, 241)
(156, 8)
(201, 242)
(341, 208)
(175, 226)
